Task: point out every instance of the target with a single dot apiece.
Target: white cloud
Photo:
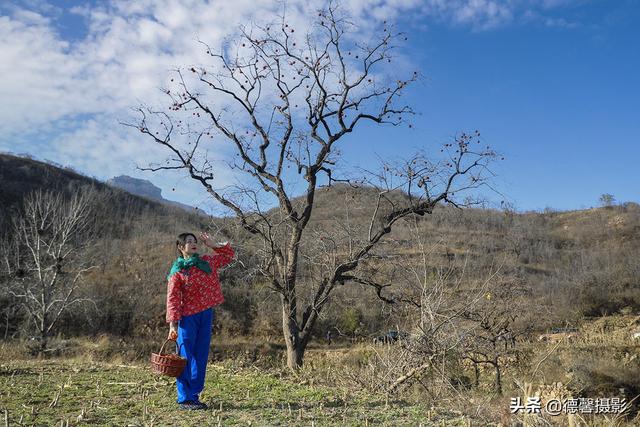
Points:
(548, 21)
(127, 54)
(483, 13)
(74, 93)
(552, 4)
(30, 18)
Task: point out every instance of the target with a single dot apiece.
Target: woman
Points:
(193, 292)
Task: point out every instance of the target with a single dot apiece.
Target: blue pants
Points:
(194, 336)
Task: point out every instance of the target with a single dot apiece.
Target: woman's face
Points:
(190, 246)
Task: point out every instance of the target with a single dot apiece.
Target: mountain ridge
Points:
(145, 188)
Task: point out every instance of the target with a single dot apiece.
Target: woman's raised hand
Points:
(206, 238)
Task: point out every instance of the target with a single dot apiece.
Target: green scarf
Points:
(185, 264)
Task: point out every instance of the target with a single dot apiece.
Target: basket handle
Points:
(165, 343)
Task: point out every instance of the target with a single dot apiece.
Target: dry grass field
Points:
(81, 392)
(108, 382)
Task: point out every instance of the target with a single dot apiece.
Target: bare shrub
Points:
(44, 258)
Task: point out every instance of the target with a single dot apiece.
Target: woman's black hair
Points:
(182, 239)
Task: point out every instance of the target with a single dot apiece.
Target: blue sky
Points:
(552, 84)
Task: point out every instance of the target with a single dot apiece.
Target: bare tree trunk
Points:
(498, 384)
(44, 339)
(295, 355)
(477, 373)
(295, 342)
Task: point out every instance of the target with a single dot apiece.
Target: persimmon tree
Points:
(278, 104)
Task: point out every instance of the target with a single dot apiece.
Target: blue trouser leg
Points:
(194, 337)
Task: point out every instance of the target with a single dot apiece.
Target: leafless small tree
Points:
(43, 258)
(436, 298)
(283, 101)
(495, 323)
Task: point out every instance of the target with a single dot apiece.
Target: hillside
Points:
(571, 264)
(529, 274)
(21, 175)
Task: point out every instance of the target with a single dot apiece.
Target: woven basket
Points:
(168, 363)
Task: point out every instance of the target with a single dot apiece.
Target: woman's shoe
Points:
(190, 405)
(201, 405)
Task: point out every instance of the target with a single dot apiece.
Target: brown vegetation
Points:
(570, 269)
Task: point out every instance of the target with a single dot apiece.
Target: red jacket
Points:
(192, 291)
